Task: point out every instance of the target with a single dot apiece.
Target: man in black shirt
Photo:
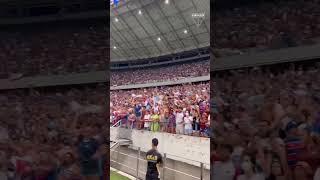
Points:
(154, 159)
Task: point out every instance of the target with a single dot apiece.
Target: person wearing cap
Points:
(154, 160)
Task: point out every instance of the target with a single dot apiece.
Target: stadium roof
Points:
(141, 29)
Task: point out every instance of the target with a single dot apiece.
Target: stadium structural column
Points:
(138, 159)
(164, 165)
(201, 171)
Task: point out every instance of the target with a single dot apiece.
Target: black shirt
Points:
(153, 158)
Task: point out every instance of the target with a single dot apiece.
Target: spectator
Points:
(155, 127)
(188, 123)
(173, 109)
(179, 122)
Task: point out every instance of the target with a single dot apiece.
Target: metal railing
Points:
(133, 163)
(119, 122)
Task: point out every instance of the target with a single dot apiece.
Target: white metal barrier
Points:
(137, 162)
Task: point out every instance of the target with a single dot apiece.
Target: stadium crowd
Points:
(267, 24)
(45, 135)
(163, 73)
(262, 25)
(180, 109)
(266, 124)
(53, 50)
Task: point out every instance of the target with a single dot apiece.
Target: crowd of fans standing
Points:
(53, 49)
(266, 124)
(260, 25)
(180, 109)
(53, 134)
(263, 25)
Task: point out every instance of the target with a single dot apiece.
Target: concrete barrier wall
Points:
(125, 159)
(187, 149)
(164, 83)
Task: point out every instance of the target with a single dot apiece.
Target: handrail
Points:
(118, 122)
(165, 153)
(143, 160)
(163, 83)
(114, 145)
(201, 57)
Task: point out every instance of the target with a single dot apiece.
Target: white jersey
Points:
(179, 118)
(188, 122)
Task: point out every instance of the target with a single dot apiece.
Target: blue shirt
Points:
(137, 110)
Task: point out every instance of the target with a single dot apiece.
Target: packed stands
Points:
(260, 25)
(180, 109)
(160, 73)
(44, 133)
(52, 132)
(266, 123)
(53, 49)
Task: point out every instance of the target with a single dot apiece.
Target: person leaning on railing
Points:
(155, 127)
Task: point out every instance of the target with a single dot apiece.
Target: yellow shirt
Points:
(155, 118)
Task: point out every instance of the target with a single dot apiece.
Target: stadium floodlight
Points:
(198, 18)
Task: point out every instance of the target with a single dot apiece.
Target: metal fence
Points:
(133, 162)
